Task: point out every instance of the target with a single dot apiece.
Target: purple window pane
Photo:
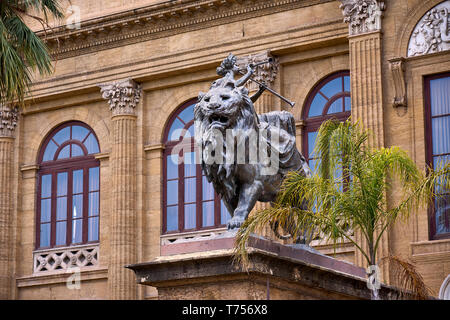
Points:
(45, 235)
(46, 186)
(172, 192)
(208, 189)
(189, 216)
(77, 206)
(46, 210)
(77, 151)
(332, 88)
(440, 96)
(172, 166)
(317, 105)
(77, 181)
(442, 204)
(172, 218)
(187, 114)
(79, 133)
(64, 153)
(438, 163)
(94, 178)
(347, 83)
(190, 167)
(77, 231)
(190, 189)
(190, 132)
(336, 106)
(49, 153)
(441, 135)
(348, 104)
(62, 135)
(93, 203)
(208, 214)
(61, 208)
(175, 130)
(91, 144)
(62, 184)
(312, 136)
(61, 228)
(224, 214)
(93, 229)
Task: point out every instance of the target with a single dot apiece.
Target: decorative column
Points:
(8, 122)
(364, 19)
(123, 97)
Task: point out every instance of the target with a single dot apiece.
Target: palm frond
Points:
(22, 51)
(407, 279)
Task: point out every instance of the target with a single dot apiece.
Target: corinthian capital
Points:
(123, 96)
(8, 121)
(362, 15)
(264, 73)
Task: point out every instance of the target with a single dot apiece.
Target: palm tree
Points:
(21, 50)
(347, 193)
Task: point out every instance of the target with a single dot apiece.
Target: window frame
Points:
(191, 145)
(312, 124)
(69, 165)
(428, 134)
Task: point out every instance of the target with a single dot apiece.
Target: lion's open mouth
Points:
(218, 120)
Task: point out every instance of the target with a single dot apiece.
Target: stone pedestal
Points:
(275, 271)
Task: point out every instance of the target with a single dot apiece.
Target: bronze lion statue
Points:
(246, 156)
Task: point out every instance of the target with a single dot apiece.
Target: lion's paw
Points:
(235, 222)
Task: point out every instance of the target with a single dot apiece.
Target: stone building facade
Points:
(83, 167)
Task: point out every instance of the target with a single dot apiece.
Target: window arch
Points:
(189, 200)
(68, 188)
(330, 98)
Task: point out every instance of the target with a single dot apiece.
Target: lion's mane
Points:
(222, 175)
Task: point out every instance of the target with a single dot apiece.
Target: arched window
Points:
(68, 188)
(330, 98)
(190, 202)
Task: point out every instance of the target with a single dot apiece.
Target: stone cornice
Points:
(157, 21)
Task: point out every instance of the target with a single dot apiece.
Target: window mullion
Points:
(85, 204)
(69, 206)
(181, 191)
(53, 209)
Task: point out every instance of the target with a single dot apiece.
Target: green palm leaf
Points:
(22, 52)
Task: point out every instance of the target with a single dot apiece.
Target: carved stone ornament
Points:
(362, 15)
(432, 33)
(123, 96)
(264, 73)
(8, 121)
(397, 68)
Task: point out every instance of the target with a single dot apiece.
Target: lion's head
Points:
(224, 107)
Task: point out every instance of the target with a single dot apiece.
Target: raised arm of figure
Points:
(257, 94)
(244, 79)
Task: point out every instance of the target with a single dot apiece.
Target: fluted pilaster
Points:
(8, 122)
(364, 19)
(123, 98)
